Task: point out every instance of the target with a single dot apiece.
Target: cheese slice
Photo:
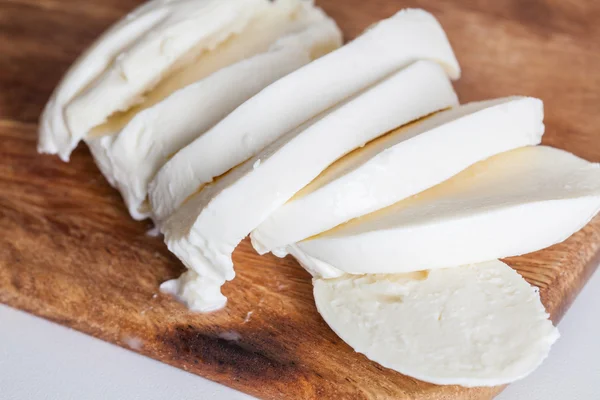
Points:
(205, 230)
(475, 325)
(389, 46)
(130, 155)
(401, 164)
(160, 41)
(513, 203)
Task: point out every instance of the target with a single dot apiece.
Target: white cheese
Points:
(54, 135)
(159, 39)
(130, 158)
(389, 46)
(205, 230)
(513, 203)
(401, 164)
(476, 325)
(198, 293)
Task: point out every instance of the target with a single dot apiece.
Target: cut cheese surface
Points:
(130, 158)
(154, 43)
(387, 47)
(513, 203)
(475, 325)
(401, 164)
(204, 231)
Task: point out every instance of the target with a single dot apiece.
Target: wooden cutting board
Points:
(70, 253)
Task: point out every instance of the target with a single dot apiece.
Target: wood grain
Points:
(70, 253)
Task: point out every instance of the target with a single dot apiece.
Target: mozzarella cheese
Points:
(281, 107)
(198, 293)
(54, 134)
(475, 325)
(204, 231)
(513, 203)
(130, 158)
(131, 58)
(403, 163)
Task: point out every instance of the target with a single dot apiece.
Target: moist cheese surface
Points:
(475, 325)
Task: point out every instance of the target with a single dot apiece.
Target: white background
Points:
(43, 361)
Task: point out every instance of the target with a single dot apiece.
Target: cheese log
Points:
(387, 47)
(475, 325)
(401, 164)
(130, 158)
(513, 203)
(205, 230)
(123, 66)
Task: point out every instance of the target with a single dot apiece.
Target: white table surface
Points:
(40, 360)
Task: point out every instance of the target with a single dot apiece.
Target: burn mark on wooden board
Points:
(245, 354)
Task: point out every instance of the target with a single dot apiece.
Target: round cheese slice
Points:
(475, 325)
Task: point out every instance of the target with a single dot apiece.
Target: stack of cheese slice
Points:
(279, 143)
(223, 118)
(415, 285)
(422, 296)
(384, 49)
(400, 164)
(168, 72)
(205, 230)
(514, 203)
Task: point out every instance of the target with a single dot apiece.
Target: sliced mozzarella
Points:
(476, 325)
(281, 107)
(204, 231)
(131, 158)
(54, 135)
(159, 41)
(401, 164)
(514, 203)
